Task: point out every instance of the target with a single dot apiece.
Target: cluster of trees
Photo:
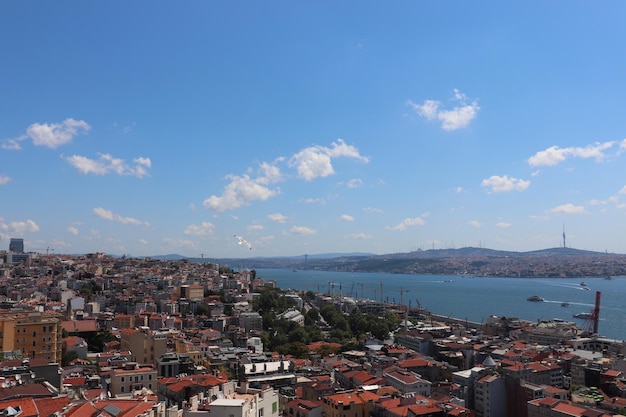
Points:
(287, 337)
(357, 325)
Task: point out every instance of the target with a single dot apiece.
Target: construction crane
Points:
(591, 324)
(48, 249)
(402, 291)
(351, 290)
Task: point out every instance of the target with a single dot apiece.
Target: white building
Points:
(408, 382)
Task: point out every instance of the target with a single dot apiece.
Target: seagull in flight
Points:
(243, 241)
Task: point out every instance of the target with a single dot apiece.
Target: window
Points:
(261, 412)
(34, 334)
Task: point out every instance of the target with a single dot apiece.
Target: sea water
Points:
(474, 298)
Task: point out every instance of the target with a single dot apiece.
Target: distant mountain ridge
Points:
(420, 254)
(551, 262)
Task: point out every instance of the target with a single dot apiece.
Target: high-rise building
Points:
(16, 245)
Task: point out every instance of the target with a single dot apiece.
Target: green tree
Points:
(68, 357)
(299, 335)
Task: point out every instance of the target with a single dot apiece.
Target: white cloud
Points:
(243, 189)
(72, 230)
(310, 163)
(569, 209)
(56, 134)
(503, 225)
(302, 230)
(179, 243)
(312, 201)
(474, 223)
(354, 183)
(143, 241)
(411, 221)
(19, 227)
(270, 173)
(500, 184)
(107, 164)
(346, 218)
(373, 210)
(58, 244)
(595, 202)
(277, 217)
(255, 228)
(203, 229)
(554, 155)
(453, 119)
(458, 190)
(265, 239)
(110, 216)
(4, 179)
(316, 161)
(13, 144)
(361, 236)
(623, 190)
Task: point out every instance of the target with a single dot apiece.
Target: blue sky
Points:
(148, 128)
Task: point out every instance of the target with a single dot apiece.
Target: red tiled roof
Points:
(414, 363)
(72, 326)
(612, 373)
(24, 390)
(49, 406)
(75, 381)
(29, 409)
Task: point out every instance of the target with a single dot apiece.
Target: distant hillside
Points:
(557, 262)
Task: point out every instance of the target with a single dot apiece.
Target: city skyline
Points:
(284, 129)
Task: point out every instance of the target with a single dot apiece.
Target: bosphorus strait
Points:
(474, 298)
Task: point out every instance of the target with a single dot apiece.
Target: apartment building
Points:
(132, 377)
(144, 344)
(31, 335)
